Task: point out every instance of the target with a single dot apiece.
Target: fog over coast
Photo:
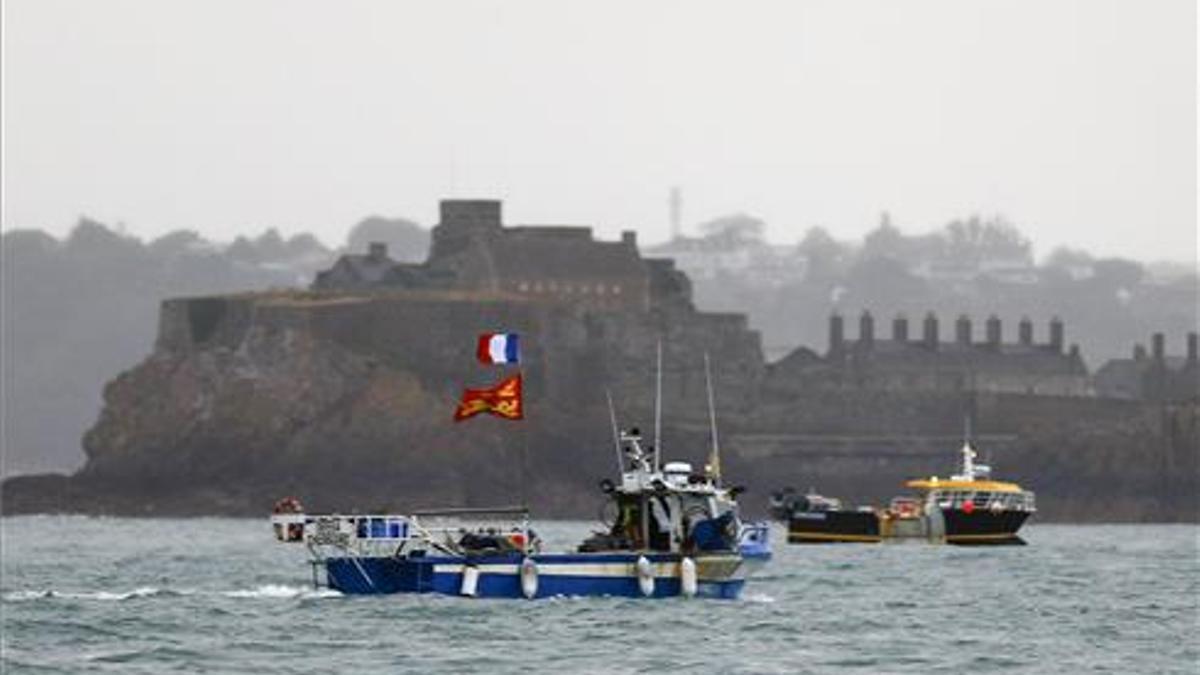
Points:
(1075, 118)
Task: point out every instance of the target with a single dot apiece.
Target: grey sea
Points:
(217, 595)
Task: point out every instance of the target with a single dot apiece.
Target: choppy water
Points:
(208, 595)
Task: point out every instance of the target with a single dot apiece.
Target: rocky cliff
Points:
(346, 401)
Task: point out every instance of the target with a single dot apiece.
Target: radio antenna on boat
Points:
(612, 416)
(658, 410)
(714, 460)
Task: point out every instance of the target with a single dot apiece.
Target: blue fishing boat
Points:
(672, 532)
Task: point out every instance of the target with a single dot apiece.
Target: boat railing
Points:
(995, 501)
(392, 534)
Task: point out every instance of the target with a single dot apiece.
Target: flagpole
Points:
(658, 409)
(525, 468)
(521, 365)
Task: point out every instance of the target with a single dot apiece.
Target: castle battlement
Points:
(920, 360)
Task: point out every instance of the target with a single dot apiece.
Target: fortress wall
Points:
(571, 354)
(860, 411)
(191, 323)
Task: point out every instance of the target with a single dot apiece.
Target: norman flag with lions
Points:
(504, 399)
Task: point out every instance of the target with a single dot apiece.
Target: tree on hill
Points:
(738, 229)
(826, 255)
(1066, 258)
(992, 239)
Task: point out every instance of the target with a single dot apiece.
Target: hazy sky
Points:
(1075, 119)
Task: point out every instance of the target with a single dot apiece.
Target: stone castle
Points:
(472, 250)
(1157, 376)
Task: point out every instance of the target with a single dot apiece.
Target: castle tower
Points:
(473, 214)
(461, 220)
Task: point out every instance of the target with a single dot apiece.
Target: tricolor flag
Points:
(502, 400)
(498, 348)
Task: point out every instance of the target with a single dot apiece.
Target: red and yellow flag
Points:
(502, 400)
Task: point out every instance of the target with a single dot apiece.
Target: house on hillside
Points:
(1154, 377)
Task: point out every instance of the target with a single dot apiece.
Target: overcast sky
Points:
(1075, 119)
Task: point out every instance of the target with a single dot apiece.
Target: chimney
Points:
(962, 330)
(1191, 353)
(1056, 335)
(993, 332)
(866, 329)
(629, 238)
(1159, 346)
(1025, 331)
(1139, 352)
(900, 329)
(931, 331)
(377, 251)
(837, 333)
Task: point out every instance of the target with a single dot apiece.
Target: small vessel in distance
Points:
(968, 508)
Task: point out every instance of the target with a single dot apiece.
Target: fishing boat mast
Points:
(714, 460)
(658, 409)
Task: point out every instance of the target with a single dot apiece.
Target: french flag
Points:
(498, 348)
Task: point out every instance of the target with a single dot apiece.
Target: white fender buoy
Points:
(470, 581)
(529, 578)
(687, 578)
(645, 575)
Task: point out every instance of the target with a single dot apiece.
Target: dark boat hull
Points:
(983, 528)
(957, 527)
(832, 527)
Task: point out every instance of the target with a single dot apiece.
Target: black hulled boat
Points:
(968, 508)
